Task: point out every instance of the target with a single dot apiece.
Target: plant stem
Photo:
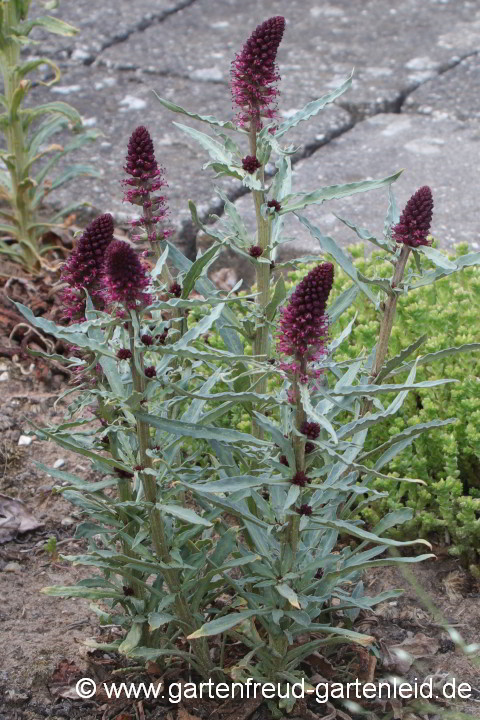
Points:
(262, 271)
(160, 543)
(389, 314)
(299, 450)
(15, 136)
(386, 324)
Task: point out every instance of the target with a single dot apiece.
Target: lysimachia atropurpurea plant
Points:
(27, 157)
(206, 536)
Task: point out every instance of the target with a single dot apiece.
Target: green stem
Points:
(299, 450)
(16, 145)
(262, 271)
(160, 542)
(387, 321)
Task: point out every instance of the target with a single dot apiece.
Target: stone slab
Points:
(454, 94)
(435, 152)
(393, 46)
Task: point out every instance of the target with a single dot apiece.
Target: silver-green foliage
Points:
(223, 502)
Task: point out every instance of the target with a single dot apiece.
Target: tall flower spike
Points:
(304, 322)
(254, 73)
(84, 264)
(125, 276)
(146, 178)
(415, 220)
(83, 268)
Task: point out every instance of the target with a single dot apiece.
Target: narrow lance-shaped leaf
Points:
(298, 201)
(210, 119)
(312, 108)
(329, 245)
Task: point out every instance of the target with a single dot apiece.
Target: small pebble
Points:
(12, 567)
(25, 440)
(59, 463)
(67, 522)
(4, 377)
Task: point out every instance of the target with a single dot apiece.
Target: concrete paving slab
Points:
(453, 94)
(183, 48)
(393, 45)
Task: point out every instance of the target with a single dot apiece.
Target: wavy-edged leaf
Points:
(57, 108)
(210, 119)
(329, 246)
(311, 412)
(313, 107)
(215, 149)
(52, 24)
(199, 266)
(397, 360)
(365, 235)
(205, 432)
(298, 201)
(358, 532)
(227, 321)
(433, 357)
(31, 65)
(439, 259)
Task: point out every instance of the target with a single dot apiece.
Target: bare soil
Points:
(42, 639)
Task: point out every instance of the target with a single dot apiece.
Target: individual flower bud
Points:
(283, 460)
(85, 262)
(254, 73)
(300, 478)
(162, 337)
(303, 325)
(415, 220)
(250, 164)
(275, 205)
(124, 354)
(175, 289)
(124, 474)
(125, 276)
(319, 574)
(255, 251)
(310, 429)
(139, 468)
(147, 339)
(309, 447)
(150, 372)
(304, 509)
(146, 179)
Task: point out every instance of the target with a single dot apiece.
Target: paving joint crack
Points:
(143, 24)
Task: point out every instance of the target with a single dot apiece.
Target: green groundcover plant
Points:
(205, 538)
(28, 160)
(436, 318)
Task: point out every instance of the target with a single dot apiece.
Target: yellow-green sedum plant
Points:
(23, 183)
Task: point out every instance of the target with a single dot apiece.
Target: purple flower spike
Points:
(147, 178)
(415, 220)
(254, 73)
(83, 268)
(304, 323)
(125, 276)
(84, 264)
